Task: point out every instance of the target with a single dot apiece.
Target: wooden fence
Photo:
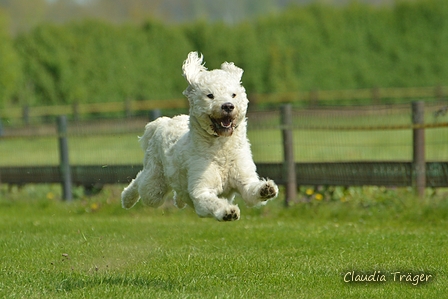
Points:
(314, 97)
(417, 173)
(388, 174)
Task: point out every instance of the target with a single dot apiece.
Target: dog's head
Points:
(217, 99)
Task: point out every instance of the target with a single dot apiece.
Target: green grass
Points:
(91, 248)
(97, 150)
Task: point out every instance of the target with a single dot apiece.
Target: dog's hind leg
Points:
(152, 186)
(130, 196)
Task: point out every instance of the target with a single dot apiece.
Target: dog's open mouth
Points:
(223, 126)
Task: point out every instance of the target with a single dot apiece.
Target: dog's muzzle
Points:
(224, 125)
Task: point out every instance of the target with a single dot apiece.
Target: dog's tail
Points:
(130, 196)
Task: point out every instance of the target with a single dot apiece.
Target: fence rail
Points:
(391, 174)
(376, 95)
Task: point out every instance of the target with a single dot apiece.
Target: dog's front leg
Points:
(208, 204)
(257, 192)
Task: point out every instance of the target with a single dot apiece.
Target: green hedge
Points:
(308, 47)
(96, 62)
(10, 68)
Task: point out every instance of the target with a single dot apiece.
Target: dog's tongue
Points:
(226, 122)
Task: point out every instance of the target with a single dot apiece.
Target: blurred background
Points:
(350, 70)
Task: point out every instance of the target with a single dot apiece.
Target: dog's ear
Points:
(232, 69)
(193, 66)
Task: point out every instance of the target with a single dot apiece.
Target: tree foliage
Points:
(302, 48)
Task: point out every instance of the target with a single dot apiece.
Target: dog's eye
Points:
(233, 95)
(210, 96)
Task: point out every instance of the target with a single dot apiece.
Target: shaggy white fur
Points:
(204, 157)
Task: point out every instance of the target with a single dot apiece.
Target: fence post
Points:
(289, 167)
(154, 114)
(418, 140)
(64, 164)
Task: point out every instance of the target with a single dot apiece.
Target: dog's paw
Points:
(268, 191)
(231, 214)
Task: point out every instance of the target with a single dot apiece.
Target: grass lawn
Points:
(97, 150)
(91, 248)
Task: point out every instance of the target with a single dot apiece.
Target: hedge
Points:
(308, 47)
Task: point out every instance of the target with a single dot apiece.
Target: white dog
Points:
(204, 157)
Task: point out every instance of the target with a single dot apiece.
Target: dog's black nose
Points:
(227, 107)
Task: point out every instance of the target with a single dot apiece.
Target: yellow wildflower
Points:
(94, 206)
(319, 196)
